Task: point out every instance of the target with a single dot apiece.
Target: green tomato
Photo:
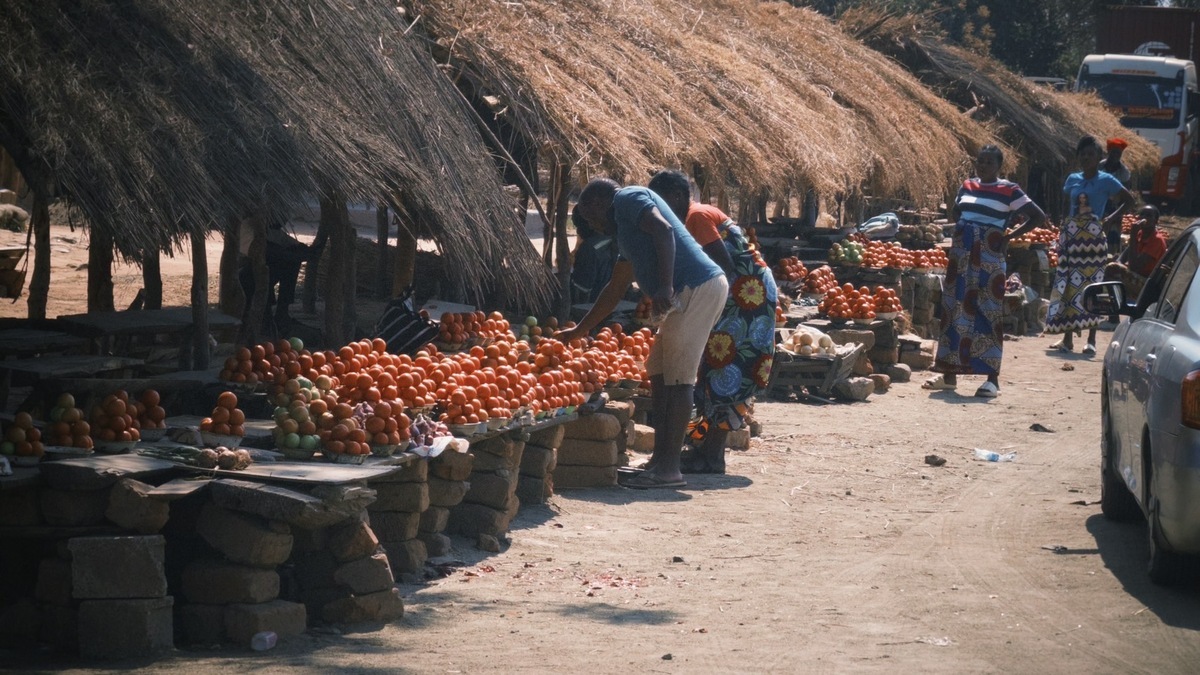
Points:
(305, 383)
(297, 343)
(310, 441)
(291, 440)
(8, 448)
(531, 321)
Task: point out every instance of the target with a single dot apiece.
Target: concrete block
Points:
(385, 605)
(395, 525)
(884, 356)
(492, 489)
(436, 543)
(643, 439)
(486, 461)
(131, 507)
(123, 629)
(408, 497)
(117, 567)
(622, 410)
(216, 582)
(452, 465)
(575, 452)
(547, 438)
(245, 539)
(473, 520)
(73, 508)
(406, 557)
(584, 476)
(446, 493)
(538, 461)
(597, 427)
(434, 519)
(353, 541)
(366, 575)
(497, 445)
(532, 490)
(242, 621)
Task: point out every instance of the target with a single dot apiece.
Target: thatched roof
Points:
(764, 94)
(161, 118)
(1042, 124)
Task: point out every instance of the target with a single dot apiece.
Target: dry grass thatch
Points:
(163, 118)
(1044, 125)
(763, 95)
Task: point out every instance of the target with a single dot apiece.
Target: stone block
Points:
(531, 490)
(882, 383)
(584, 476)
(853, 388)
(123, 629)
(216, 582)
(434, 519)
(862, 366)
(366, 575)
(73, 508)
(575, 452)
(436, 543)
(452, 465)
(58, 627)
(409, 497)
(396, 525)
(899, 372)
(492, 489)
(511, 461)
(884, 356)
(622, 410)
(597, 427)
(550, 437)
(53, 582)
(538, 461)
(243, 538)
(131, 507)
(917, 360)
(242, 621)
(201, 625)
(473, 520)
(852, 336)
(497, 445)
(353, 541)
(643, 439)
(406, 557)
(289, 506)
(19, 508)
(117, 567)
(415, 471)
(385, 605)
(739, 439)
(446, 493)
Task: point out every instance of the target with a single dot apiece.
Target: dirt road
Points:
(831, 547)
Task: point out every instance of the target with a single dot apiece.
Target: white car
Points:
(1150, 408)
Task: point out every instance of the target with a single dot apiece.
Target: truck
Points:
(1145, 70)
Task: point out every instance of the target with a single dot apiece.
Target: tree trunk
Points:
(230, 298)
(256, 305)
(100, 259)
(39, 285)
(563, 259)
(406, 259)
(308, 298)
(152, 284)
(382, 286)
(199, 304)
(550, 222)
(340, 281)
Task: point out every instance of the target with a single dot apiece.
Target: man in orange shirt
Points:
(1146, 247)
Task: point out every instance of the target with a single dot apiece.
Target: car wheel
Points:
(1116, 501)
(1166, 568)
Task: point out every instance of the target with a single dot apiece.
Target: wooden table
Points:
(174, 321)
(16, 342)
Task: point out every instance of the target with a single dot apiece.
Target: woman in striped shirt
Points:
(972, 338)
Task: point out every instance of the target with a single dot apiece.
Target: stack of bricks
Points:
(121, 587)
(592, 448)
(491, 502)
(536, 483)
(400, 499)
(926, 293)
(343, 575)
(448, 476)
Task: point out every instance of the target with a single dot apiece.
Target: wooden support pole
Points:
(382, 283)
(100, 260)
(230, 298)
(341, 280)
(308, 298)
(39, 285)
(152, 284)
(404, 271)
(550, 220)
(199, 336)
(562, 185)
(256, 305)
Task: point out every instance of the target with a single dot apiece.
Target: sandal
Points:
(648, 480)
(987, 390)
(938, 383)
(1061, 346)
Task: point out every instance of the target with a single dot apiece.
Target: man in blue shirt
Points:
(684, 285)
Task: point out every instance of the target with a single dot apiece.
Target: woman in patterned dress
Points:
(741, 348)
(1083, 249)
(972, 338)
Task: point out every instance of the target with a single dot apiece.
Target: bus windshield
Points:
(1143, 102)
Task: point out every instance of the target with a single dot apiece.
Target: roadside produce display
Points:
(847, 302)
(922, 236)
(789, 269)
(68, 427)
(22, 439)
(819, 281)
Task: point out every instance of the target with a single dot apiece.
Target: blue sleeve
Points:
(629, 204)
(1071, 182)
(1111, 185)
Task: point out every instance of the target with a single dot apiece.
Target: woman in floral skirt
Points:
(1083, 249)
(741, 348)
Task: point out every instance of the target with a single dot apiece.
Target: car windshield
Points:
(1143, 102)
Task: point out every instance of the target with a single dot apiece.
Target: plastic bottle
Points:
(989, 456)
(263, 641)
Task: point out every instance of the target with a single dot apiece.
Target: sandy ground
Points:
(830, 547)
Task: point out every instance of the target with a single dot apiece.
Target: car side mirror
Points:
(1106, 298)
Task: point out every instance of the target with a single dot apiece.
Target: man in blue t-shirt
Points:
(684, 285)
